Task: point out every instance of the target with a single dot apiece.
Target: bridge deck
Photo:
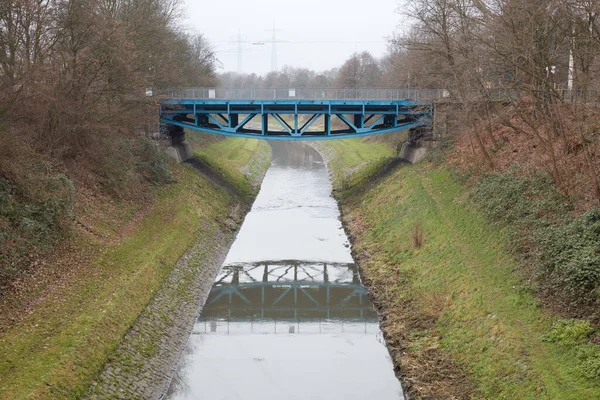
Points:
(295, 119)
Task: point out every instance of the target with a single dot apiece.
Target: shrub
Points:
(516, 199)
(113, 166)
(564, 249)
(124, 165)
(570, 256)
(569, 332)
(589, 361)
(575, 334)
(152, 163)
(35, 214)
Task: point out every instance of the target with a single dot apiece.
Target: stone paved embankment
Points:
(144, 363)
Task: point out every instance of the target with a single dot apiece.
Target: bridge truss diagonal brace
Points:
(216, 121)
(347, 122)
(377, 122)
(244, 122)
(309, 123)
(297, 118)
(284, 124)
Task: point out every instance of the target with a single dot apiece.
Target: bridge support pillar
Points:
(412, 153)
(390, 120)
(413, 150)
(179, 149)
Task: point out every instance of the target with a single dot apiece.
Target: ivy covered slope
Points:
(465, 307)
(64, 318)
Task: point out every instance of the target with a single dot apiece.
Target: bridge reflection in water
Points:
(290, 297)
(268, 326)
(300, 326)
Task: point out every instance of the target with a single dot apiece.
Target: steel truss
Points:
(289, 289)
(295, 119)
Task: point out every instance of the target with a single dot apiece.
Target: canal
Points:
(288, 317)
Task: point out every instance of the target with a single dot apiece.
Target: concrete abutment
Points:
(179, 150)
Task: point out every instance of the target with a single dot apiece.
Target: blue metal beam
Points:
(374, 124)
(309, 123)
(345, 120)
(283, 124)
(222, 117)
(216, 121)
(245, 121)
(329, 136)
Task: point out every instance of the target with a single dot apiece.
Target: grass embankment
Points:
(352, 161)
(460, 323)
(241, 162)
(73, 323)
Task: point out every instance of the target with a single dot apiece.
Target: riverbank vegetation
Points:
(61, 323)
(92, 215)
(467, 306)
(75, 114)
(61, 327)
(352, 163)
(515, 185)
(463, 315)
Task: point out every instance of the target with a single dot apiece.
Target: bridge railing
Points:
(424, 95)
(306, 94)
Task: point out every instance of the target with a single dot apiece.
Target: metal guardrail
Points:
(422, 95)
(306, 94)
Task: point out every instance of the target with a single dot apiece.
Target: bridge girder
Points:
(290, 289)
(295, 118)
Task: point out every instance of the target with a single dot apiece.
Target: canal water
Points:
(288, 317)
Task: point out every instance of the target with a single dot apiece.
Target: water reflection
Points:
(289, 154)
(294, 217)
(299, 326)
(287, 290)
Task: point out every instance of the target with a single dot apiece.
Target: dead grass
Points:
(417, 235)
(526, 153)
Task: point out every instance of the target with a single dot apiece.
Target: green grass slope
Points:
(72, 324)
(459, 321)
(241, 162)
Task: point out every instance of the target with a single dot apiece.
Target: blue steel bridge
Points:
(307, 114)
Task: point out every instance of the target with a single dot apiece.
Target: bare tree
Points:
(540, 55)
(360, 70)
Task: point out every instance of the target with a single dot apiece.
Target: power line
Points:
(235, 51)
(308, 41)
(274, 48)
(239, 51)
(239, 41)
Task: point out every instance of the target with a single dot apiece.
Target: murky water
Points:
(288, 317)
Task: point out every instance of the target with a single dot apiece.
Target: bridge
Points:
(289, 290)
(290, 114)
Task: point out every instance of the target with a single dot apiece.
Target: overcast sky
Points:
(316, 34)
